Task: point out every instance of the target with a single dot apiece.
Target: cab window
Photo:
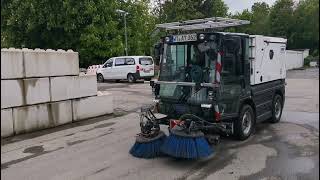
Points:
(120, 62)
(145, 61)
(109, 63)
(130, 61)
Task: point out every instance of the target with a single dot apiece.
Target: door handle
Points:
(243, 84)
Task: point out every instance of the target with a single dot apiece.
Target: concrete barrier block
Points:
(71, 87)
(12, 93)
(30, 118)
(88, 107)
(11, 63)
(36, 90)
(40, 63)
(6, 122)
(60, 112)
(41, 116)
(24, 92)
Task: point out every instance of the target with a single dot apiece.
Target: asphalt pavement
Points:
(98, 148)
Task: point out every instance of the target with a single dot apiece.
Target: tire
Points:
(244, 125)
(100, 78)
(118, 80)
(147, 79)
(131, 78)
(277, 107)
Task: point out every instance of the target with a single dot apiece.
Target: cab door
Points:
(107, 68)
(120, 69)
(234, 76)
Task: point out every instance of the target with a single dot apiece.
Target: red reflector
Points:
(217, 116)
(139, 68)
(173, 123)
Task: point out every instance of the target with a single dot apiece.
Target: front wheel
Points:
(277, 106)
(243, 127)
(100, 78)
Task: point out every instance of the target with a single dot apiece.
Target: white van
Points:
(131, 68)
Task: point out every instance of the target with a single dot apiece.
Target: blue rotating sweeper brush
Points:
(146, 147)
(191, 145)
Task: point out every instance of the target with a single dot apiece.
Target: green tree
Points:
(258, 17)
(213, 8)
(177, 10)
(244, 15)
(91, 27)
(281, 18)
(140, 24)
(259, 21)
(306, 26)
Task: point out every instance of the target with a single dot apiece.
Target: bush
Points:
(309, 59)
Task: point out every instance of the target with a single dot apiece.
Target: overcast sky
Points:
(239, 5)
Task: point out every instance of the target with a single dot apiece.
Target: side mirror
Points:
(156, 52)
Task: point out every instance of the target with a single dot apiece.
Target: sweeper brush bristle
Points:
(189, 146)
(148, 147)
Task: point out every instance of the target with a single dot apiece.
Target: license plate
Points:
(184, 37)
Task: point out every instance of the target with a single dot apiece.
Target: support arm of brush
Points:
(184, 134)
(142, 139)
(218, 127)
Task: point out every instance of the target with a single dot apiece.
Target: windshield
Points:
(189, 62)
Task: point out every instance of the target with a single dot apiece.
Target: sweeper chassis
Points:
(188, 123)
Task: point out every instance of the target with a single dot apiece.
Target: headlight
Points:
(167, 39)
(201, 36)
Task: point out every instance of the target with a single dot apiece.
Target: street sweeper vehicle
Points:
(211, 83)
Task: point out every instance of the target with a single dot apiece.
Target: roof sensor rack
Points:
(203, 24)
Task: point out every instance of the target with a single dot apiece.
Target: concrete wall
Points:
(40, 63)
(306, 53)
(70, 87)
(41, 116)
(11, 64)
(22, 92)
(11, 93)
(92, 106)
(294, 59)
(36, 90)
(6, 122)
(26, 63)
(42, 89)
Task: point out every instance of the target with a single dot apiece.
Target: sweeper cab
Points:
(214, 82)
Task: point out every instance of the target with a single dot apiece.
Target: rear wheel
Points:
(243, 127)
(277, 106)
(100, 78)
(131, 78)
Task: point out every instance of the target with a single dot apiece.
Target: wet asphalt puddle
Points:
(276, 151)
(101, 129)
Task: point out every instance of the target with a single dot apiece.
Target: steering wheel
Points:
(196, 73)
